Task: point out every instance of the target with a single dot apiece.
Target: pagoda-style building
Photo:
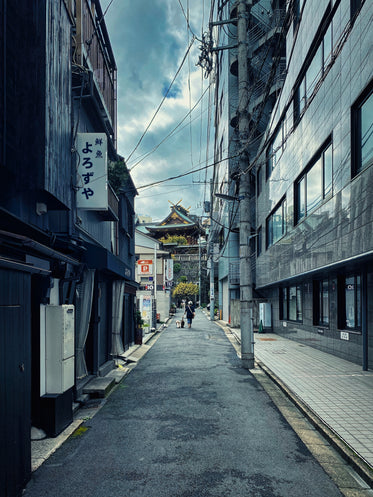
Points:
(178, 223)
(190, 255)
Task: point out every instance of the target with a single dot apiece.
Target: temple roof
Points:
(179, 220)
(178, 216)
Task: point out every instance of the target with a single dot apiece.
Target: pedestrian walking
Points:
(190, 313)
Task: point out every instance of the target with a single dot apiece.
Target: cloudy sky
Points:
(150, 39)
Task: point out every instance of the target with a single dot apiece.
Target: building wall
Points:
(58, 102)
(328, 339)
(335, 238)
(335, 230)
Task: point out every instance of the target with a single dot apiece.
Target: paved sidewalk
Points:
(336, 391)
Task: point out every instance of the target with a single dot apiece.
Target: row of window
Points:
(315, 184)
(320, 55)
(349, 303)
(318, 61)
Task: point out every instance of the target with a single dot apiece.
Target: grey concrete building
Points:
(314, 211)
(266, 26)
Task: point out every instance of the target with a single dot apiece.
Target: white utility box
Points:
(265, 314)
(59, 348)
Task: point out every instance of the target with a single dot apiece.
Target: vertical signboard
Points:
(146, 310)
(169, 269)
(92, 171)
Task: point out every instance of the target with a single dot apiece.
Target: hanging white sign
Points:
(92, 174)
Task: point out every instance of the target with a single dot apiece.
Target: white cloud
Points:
(149, 41)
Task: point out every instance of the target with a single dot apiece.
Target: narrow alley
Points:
(188, 421)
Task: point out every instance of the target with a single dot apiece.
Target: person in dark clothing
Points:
(189, 309)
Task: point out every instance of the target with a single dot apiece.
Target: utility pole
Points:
(246, 288)
(199, 269)
(154, 291)
(211, 250)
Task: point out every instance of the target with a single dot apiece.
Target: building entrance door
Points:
(15, 385)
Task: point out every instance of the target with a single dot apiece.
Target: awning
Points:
(36, 247)
(20, 266)
(100, 258)
(21, 253)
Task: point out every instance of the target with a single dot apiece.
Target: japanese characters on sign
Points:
(92, 171)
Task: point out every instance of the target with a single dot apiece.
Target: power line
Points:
(171, 132)
(190, 99)
(163, 99)
(187, 20)
(184, 174)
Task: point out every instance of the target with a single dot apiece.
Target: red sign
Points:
(145, 266)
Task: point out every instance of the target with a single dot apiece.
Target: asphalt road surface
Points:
(188, 421)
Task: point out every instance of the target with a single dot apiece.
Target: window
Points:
(321, 303)
(221, 238)
(297, 9)
(275, 149)
(355, 7)
(291, 306)
(259, 242)
(284, 304)
(362, 133)
(327, 46)
(319, 60)
(276, 224)
(315, 184)
(314, 72)
(349, 300)
(259, 177)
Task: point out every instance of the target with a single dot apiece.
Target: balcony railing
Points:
(92, 52)
(112, 212)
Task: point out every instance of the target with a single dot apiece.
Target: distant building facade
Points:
(154, 275)
(183, 236)
(266, 72)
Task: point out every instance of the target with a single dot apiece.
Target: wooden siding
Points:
(36, 98)
(57, 177)
(15, 387)
(2, 82)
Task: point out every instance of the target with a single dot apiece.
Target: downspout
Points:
(364, 320)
